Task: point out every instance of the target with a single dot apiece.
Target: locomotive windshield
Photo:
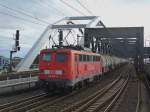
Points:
(61, 57)
(47, 57)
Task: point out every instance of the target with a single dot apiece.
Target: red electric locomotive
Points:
(67, 68)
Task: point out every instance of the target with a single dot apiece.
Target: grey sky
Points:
(112, 13)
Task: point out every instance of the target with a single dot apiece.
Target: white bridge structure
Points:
(67, 23)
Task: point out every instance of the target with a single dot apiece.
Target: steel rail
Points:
(117, 96)
(17, 104)
(20, 101)
(101, 102)
(34, 104)
(86, 102)
(38, 108)
(147, 83)
(138, 107)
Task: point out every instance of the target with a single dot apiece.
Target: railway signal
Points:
(17, 48)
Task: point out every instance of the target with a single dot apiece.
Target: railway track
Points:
(99, 100)
(128, 100)
(59, 99)
(20, 103)
(138, 107)
(141, 101)
(17, 96)
(38, 103)
(58, 105)
(66, 102)
(147, 82)
(35, 103)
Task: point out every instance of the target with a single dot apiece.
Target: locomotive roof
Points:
(68, 50)
(77, 52)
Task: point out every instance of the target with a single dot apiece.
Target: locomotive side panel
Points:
(66, 68)
(86, 66)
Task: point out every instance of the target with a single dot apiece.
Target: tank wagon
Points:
(65, 69)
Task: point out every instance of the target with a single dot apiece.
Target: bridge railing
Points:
(18, 75)
(17, 81)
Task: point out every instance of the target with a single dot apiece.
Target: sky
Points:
(32, 16)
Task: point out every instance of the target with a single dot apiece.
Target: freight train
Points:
(64, 68)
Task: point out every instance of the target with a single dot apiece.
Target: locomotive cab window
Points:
(88, 58)
(61, 57)
(80, 58)
(84, 57)
(46, 57)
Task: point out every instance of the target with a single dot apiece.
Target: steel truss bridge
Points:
(89, 32)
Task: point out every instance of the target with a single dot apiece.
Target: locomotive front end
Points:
(55, 69)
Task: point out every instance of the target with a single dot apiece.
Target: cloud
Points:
(112, 13)
(25, 45)
(131, 1)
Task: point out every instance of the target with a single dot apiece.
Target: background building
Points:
(15, 61)
(4, 63)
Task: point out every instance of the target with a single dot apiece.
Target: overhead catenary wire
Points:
(70, 6)
(46, 6)
(10, 27)
(20, 18)
(59, 11)
(23, 13)
(79, 2)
